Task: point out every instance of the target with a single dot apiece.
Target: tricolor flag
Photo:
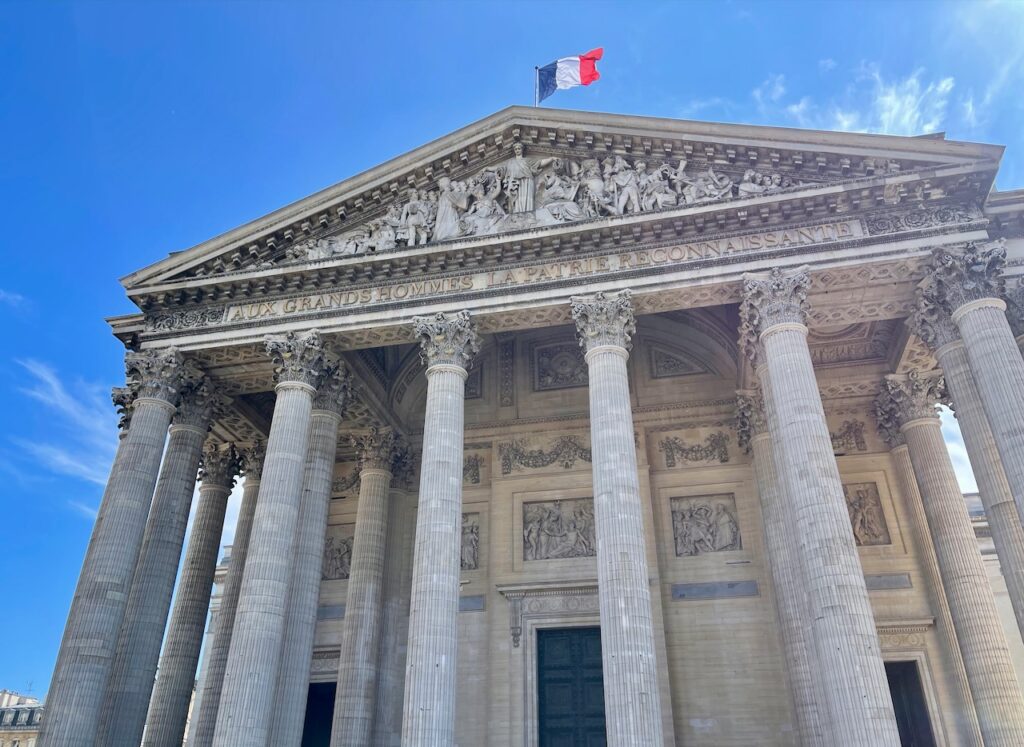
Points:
(568, 72)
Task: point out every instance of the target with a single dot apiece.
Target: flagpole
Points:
(536, 86)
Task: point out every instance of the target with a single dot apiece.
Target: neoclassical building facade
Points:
(572, 429)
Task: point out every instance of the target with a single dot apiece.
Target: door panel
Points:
(570, 687)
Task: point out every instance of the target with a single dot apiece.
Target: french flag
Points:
(568, 72)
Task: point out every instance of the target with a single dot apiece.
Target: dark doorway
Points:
(316, 730)
(570, 687)
(908, 700)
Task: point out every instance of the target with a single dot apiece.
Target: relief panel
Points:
(558, 529)
(470, 553)
(704, 524)
(558, 365)
(866, 515)
(338, 552)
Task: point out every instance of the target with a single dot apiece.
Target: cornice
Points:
(816, 155)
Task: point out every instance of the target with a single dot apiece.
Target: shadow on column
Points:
(316, 728)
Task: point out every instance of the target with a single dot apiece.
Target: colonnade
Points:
(255, 688)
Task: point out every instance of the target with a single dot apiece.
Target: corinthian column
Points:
(138, 647)
(448, 343)
(355, 702)
(632, 705)
(968, 285)
(935, 327)
(849, 674)
(205, 719)
(910, 403)
(168, 711)
(332, 398)
(250, 678)
(784, 564)
(90, 637)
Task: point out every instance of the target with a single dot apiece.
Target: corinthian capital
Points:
(379, 448)
(157, 373)
(123, 398)
(200, 403)
(447, 339)
(219, 466)
(931, 320)
(602, 321)
(1015, 308)
(250, 459)
(297, 358)
(335, 391)
(959, 277)
(750, 420)
(772, 298)
(904, 399)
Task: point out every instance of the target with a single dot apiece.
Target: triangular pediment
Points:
(525, 170)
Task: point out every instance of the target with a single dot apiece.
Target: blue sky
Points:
(129, 130)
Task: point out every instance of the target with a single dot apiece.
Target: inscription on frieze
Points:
(470, 553)
(338, 552)
(704, 524)
(512, 277)
(866, 515)
(558, 529)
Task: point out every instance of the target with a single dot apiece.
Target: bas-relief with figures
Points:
(599, 359)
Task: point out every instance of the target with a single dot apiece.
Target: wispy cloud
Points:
(10, 298)
(83, 436)
(826, 65)
(912, 105)
(87, 511)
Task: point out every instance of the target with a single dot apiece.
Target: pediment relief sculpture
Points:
(525, 192)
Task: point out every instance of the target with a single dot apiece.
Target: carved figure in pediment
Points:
(598, 199)
(485, 214)
(518, 175)
(656, 192)
(705, 185)
(417, 218)
(452, 202)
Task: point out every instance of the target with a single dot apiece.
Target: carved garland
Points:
(471, 469)
(566, 450)
(715, 447)
(850, 437)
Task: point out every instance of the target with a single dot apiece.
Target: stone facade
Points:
(545, 320)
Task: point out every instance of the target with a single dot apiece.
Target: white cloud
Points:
(11, 298)
(908, 106)
(826, 65)
(82, 438)
(87, 511)
(771, 91)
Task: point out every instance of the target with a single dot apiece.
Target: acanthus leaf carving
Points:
(769, 299)
(447, 339)
(219, 465)
(603, 321)
(297, 357)
(157, 373)
(957, 277)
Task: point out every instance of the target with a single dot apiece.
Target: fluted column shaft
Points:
(787, 579)
(138, 650)
(631, 692)
(168, 712)
(307, 572)
(850, 675)
(250, 676)
(964, 714)
(87, 648)
(996, 497)
(429, 709)
(205, 719)
(355, 702)
(998, 370)
(986, 657)
(448, 344)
